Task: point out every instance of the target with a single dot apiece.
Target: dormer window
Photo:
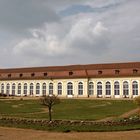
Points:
(135, 71)
(70, 73)
(45, 74)
(100, 72)
(9, 75)
(33, 74)
(117, 71)
(20, 75)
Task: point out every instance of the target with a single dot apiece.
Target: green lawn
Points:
(68, 109)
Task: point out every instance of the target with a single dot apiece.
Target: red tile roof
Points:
(77, 71)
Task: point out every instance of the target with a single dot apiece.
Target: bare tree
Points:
(50, 101)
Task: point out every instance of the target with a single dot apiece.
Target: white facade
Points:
(78, 87)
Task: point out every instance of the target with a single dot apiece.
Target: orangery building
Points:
(113, 80)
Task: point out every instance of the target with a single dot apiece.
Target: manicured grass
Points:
(9, 107)
(91, 109)
(68, 109)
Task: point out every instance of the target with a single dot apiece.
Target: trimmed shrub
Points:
(137, 101)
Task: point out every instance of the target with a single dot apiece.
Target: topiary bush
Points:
(137, 101)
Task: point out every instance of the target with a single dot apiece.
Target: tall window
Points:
(69, 88)
(37, 88)
(19, 88)
(99, 88)
(135, 87)
(90, 88)
(125, 88)
(108, 88)
(59, 87)
(13, 88)
(2, 88)
(44, 89)
(8, 89)
(50, 88)
(80, 88)
(116, 88)
(31, 88)
(25, 89)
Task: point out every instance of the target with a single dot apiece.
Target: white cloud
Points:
(99, 28)
(82, 34)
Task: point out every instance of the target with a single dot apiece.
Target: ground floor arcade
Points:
(101, 87)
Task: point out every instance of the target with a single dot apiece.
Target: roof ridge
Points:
(76, 67)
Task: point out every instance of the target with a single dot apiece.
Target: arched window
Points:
(50, 88)
(59, 87)
(8, 89)
(69, 88)
(91, 88)
(80, 88)
(2, 88)
(116, 88)
(13, 89)
(37, 88)
(125, 88)
(108, 88)
(135, 87)
(19, 88)
(44, 89)
(31, 88)
(25, 89)
(99, 88)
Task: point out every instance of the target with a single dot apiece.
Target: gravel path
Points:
(125, 115)
(27, 134)
(131, 112)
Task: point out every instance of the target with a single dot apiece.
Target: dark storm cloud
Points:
(23, 14)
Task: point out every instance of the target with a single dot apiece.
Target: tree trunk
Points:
(50, 115)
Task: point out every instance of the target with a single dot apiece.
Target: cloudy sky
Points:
(63, 32)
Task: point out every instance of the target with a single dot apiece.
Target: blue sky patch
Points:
(76, 9)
